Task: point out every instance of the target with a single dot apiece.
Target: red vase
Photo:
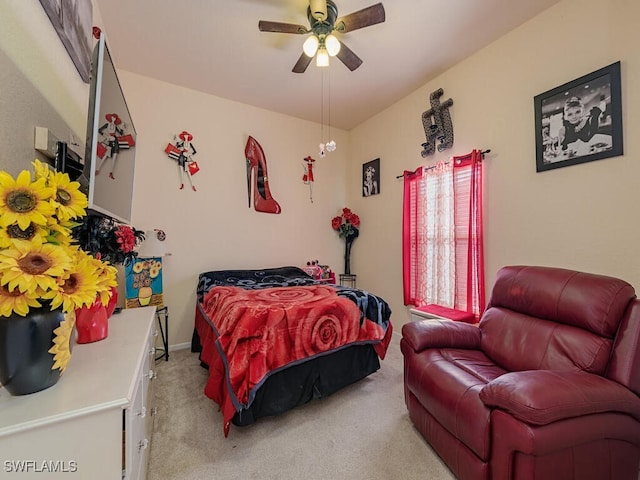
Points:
(92, 323)
(111, 306)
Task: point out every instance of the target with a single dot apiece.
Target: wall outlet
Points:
(45, 142)
(73, 139)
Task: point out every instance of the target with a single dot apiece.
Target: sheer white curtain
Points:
(436, 236)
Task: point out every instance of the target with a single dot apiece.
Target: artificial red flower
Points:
(346, 224)
(108, 239)
(125, 238)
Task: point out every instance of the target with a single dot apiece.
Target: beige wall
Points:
(213, 228)
(39, 85)
(578, 217)
(582, 217)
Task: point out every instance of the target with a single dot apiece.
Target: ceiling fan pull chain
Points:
(331, 144)
(329, 92)
(329, 103)
(321, 146)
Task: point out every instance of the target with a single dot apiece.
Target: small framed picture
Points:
(143, 285)
(371, 178)
(579, 121)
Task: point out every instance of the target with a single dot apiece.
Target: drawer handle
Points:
(142, 413)
(155, 334)
(143, 444)
(152, 351)
(154, 411)
(151, 375)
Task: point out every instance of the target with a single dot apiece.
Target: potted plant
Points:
(347, 225)
(44, 276)
(111, 242)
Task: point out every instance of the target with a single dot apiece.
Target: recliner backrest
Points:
(552, 318)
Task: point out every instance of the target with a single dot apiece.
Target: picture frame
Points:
(580, 121)
(72, 20)
(371, 178)
(143, 283)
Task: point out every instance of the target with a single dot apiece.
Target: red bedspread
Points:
(256, 332)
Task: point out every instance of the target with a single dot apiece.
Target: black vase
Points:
(26, 365)
(348, 240)
(347, 257)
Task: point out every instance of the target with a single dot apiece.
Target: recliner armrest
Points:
(434, 333)
(540, 397)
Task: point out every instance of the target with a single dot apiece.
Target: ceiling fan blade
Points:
(280, 27)
(350, 59)
(360, 19)
(302, 64)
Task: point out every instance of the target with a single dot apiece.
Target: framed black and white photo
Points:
(371, 178)
(72, 20)
(579, 121)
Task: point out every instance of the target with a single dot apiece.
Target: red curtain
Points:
(466, 185)
(412, 181)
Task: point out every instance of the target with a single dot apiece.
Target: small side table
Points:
(162, 314)
(348, 280)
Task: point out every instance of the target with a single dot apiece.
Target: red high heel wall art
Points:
(257, 171)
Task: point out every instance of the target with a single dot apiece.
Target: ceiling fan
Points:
(324, 21)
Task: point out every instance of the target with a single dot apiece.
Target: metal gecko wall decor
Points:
(437, 124)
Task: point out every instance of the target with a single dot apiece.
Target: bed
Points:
(276, 338)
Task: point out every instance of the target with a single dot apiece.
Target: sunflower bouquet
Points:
(39, 259)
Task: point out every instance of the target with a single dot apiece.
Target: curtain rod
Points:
(461, 157)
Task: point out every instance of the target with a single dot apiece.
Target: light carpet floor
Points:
(360, 432)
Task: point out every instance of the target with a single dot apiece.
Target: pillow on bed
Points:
(253, 279)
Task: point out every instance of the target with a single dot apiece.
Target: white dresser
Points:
(96, 422)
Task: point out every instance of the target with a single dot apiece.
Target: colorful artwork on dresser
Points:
(144, 283)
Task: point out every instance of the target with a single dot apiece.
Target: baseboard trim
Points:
(179, 346)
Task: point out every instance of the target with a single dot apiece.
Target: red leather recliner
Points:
(546, 387)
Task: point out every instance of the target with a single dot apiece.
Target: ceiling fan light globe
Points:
(322, 59)
(332, 44)
(310, 46)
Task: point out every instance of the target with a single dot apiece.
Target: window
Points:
(443, 261)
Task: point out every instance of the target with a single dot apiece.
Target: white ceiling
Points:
(214, 46)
